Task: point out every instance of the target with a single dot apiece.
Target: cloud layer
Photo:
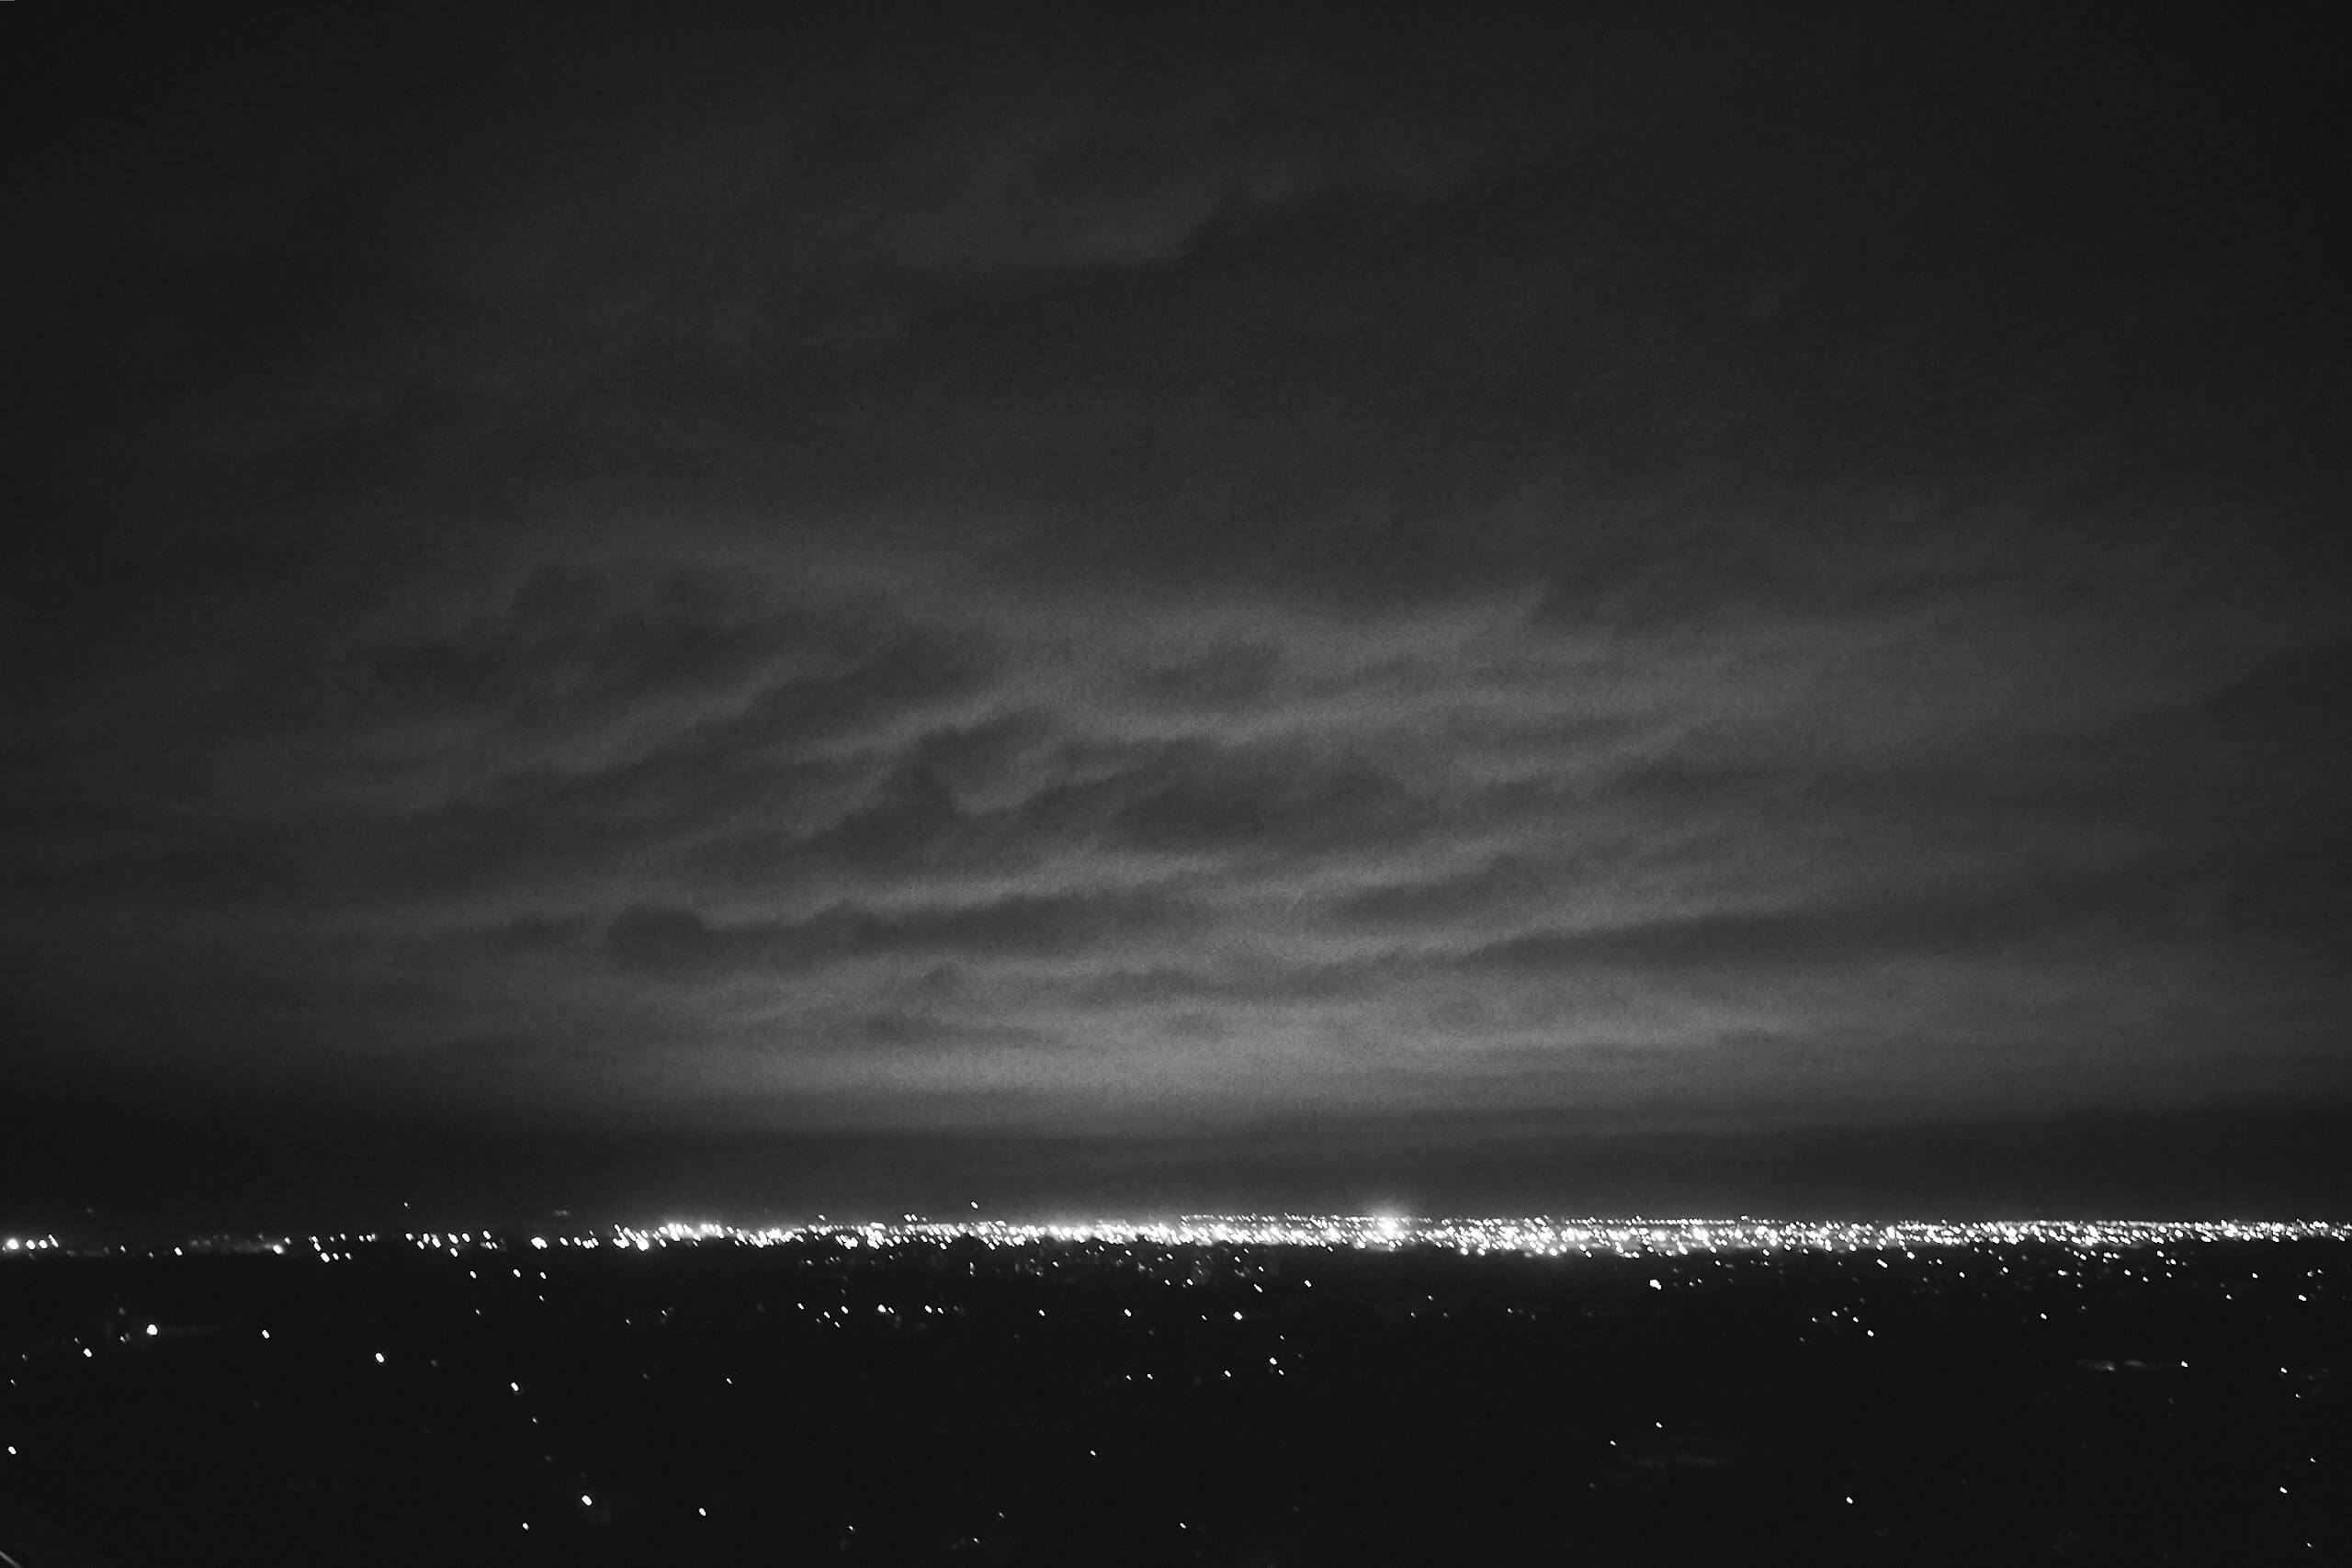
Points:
(797, 582)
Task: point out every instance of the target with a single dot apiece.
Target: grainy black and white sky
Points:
(1747, 609)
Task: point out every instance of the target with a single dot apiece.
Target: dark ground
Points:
(1091, 1403)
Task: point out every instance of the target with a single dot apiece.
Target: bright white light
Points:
(586, 1501)
(150, 1331)
(380, 1358)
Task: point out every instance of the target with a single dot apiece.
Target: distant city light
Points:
(1535, 1237)
(1532, 1236)
(1174, 1254)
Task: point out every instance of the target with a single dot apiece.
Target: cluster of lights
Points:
(1548, 1237)
(1535, 1236)
(1530, 1236)
(626, 1237)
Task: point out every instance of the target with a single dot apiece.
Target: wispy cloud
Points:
(1175, 579)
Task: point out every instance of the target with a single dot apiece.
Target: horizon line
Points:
(1531, 1235)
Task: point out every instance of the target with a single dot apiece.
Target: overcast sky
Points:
(1651, 575)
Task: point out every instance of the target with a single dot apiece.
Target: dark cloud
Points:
(681, 943)
(908, 1030)
(1778, 941)
(1442, 901)
(1225, 677)
(1268, 803)
(1257, 983)
(971, 573)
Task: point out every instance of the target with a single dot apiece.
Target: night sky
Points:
(1744, 612)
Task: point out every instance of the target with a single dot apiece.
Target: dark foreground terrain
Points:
(948, 1401)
